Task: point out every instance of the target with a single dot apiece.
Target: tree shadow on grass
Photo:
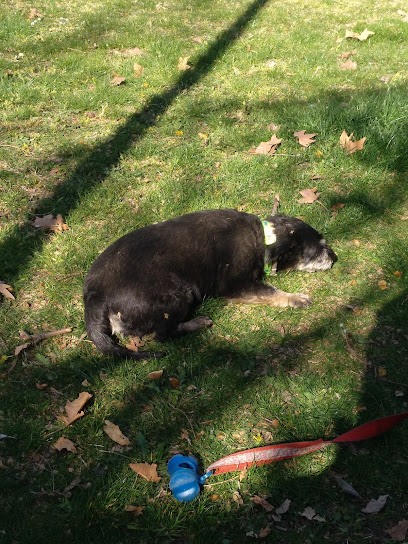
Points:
(164, 520)
(97, 164)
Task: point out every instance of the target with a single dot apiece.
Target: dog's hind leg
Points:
(197, 324)
(259, 293)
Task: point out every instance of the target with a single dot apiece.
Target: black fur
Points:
(151, 280)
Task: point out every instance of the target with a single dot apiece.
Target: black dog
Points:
(151, 280)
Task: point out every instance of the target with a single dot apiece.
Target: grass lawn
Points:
(113, 157)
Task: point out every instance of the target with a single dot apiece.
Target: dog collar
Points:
(269, 231)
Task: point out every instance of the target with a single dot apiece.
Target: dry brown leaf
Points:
(183, 63)
(137, 510)
(273, 128)
(155, 375)
(138, 69)
(267, 148)
(131, 52)
(349, 144)
(115, 433)
(185, 435)
(118, 80)
(375, 505)
(404, 15)
(361, 37)
(174, 382)
(262, 502)
(236, 497)
(5, 291)
(263, 533)
(337, 206)
(346, 54)
(304, 139)
(382, 284)
(50, 223)
(146, 471)
(21, 347)
(399, 531)
(73, 408)
(64, 444)
(135, 343)
(349, 65)
(34, 13)
(309, 196)
(41, 386)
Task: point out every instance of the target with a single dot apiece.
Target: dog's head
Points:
(297, 246)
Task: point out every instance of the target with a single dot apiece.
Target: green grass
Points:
(114, 158)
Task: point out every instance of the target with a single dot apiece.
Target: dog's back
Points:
(151, 279)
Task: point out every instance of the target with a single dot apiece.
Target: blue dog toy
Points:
(184, 479)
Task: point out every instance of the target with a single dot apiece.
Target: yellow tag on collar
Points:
(269, 231)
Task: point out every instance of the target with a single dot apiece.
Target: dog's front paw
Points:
(299, 300)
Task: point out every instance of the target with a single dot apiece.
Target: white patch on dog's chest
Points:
(116, 323)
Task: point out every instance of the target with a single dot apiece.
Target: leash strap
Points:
(277, 452)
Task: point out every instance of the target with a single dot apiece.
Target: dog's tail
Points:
(98, 329)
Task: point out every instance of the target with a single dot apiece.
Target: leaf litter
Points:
(267, 148)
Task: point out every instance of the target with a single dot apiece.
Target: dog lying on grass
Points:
(152, 279)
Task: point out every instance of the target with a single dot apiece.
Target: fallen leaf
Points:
(41, 386)
(397, 274)
(174, 382)
(236, 497)
(131, 52)
(138, 69)
(183, 63)
(382, 284)
(115, 433)
(135, 343)
(21, 347)
(399, 531)
(399, 393)
(273, 128)
(337, 206)
(349, 65)
(346, 487)
(263, 533)
(382, 372)
(155, 375)
(349, 145)
(284, 507)
(385, 79)
(375, 505)
(309, 196)
(267, 148)
(185, 435)
(262, 502)
(215, 497)
(118, 80)
(361, 37)
(50, 223)
(146, 471)
(64, 444)
(34, 13)
(309, 513)
(346, 54)
(304, 139)
(137, 510)
(5, 291)
(404, 15)
(73, 408)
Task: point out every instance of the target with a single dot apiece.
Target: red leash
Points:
(277, 452)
